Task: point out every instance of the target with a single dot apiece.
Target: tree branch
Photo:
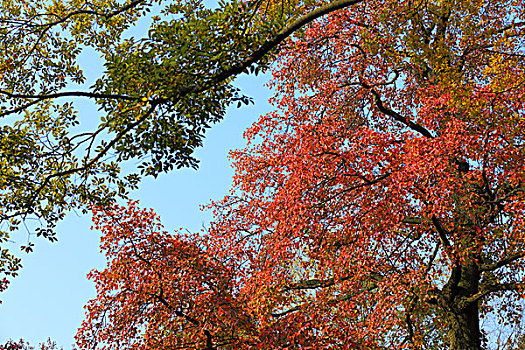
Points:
(441, 232)
(43, 97)
(491, 288)
(69, 94)
(220, 77)
(503, 262)
(383, 109)
(108, 15)
(412, 220)
(272, 43)
(317, 283)
(456, 266)
(95, 159)
(209, 342)
(283, 313)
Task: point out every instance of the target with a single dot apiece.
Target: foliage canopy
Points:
(156, 97)
(381, 206)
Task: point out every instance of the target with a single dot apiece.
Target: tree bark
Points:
(462, 317)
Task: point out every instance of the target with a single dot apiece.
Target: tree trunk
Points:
(462, 319)
(463, 331)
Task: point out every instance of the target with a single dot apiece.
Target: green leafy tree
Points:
(157, 95)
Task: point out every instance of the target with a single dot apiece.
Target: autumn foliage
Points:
(152, 99)
(381, 206)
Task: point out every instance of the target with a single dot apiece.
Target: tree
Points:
(23, 345)
(381, 207)
(156, 96)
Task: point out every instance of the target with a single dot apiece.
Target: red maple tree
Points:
(381, 207)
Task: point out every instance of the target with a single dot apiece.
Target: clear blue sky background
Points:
(47, 298)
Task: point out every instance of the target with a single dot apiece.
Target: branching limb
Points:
(108, 15)
(396, 116)
(95, 159)
(286, 312)
(492, 288)
(503, 262)
(42, 97)
(270, 44)
(179, 313)
(315, 283)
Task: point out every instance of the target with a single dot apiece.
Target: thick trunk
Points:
(463, 331)
(462, 319)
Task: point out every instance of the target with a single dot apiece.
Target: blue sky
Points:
(47, 298)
